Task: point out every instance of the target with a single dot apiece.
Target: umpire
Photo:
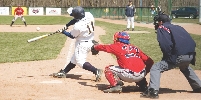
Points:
(178, 50)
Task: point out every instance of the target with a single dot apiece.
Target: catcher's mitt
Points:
(93, 51)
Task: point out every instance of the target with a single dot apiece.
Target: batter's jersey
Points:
(89, 16)
(18, 11)
(83, 30)
(128, 56)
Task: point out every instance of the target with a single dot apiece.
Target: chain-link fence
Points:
(114, 9)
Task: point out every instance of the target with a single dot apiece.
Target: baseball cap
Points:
(163, 18)
(130, 0)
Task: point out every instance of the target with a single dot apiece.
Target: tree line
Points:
(96, 3)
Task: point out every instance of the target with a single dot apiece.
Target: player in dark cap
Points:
(178, 50)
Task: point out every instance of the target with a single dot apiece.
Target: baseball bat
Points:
(42, 36)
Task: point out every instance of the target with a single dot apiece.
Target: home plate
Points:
(137, 32)
(52, 81)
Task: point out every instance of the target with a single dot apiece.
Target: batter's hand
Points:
(63, 29)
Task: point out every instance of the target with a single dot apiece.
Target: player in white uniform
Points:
(83, 32)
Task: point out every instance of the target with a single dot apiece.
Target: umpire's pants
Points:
(183, 64)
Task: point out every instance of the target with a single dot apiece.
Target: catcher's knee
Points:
(107, 68)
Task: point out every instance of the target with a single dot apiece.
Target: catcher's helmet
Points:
(78, 12)
(122, 37)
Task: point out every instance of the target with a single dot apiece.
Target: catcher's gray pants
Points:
(183, 64)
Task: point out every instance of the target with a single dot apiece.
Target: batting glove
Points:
(63, 29)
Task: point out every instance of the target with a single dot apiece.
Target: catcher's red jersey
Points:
(18, 11)
(128, 56)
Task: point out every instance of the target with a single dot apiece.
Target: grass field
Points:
(14, 48)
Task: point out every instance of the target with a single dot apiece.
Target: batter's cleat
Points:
(132, 29)
(150, 93)
(98, 75)
(198, 90)
(115, 89)
(60, 74)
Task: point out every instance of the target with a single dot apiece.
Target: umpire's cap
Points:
(164, 18)
(78, 12)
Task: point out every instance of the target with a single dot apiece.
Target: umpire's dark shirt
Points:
(174, 40)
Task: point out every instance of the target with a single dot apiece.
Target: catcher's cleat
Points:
(98, 75)
(150, 93)
(60, 74)
(115, 89)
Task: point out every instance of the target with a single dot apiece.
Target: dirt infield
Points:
(30, 80)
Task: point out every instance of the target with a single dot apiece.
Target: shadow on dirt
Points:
(125, 89)
(128, 89)
(167, 90)
(76, 77)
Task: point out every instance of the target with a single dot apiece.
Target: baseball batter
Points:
(18, 13)
(133, 64)
(83, 32)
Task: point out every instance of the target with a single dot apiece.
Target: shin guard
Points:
(110, 76)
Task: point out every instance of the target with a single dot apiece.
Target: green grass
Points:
(36, 20)
(185, 20)
(14, 46)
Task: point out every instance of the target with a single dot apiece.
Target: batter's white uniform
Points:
(83, 31)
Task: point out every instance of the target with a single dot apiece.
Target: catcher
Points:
(133, 64)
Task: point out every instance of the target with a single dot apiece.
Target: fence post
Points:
(169, 7)
(141, 10)
(200, 13)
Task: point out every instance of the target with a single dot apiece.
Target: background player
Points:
(83, 32)
(130, 12)
(18, 13)
(133, 64)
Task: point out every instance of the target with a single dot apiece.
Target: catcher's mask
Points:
(121, 37)
(78, 12)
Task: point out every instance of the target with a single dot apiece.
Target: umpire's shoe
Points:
(98, 75)
(60, 74)
(198, 90)
(115, 89)
(150, 93)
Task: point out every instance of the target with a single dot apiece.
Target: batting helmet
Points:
(78, 12)
(122, 37)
